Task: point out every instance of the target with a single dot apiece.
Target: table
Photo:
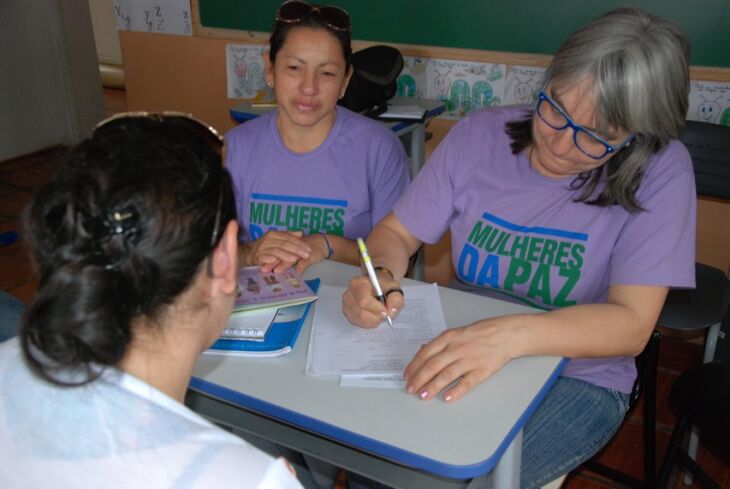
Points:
(384, 434)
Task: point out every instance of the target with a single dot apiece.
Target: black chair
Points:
(701, 309)
(709, 146)
(646, 369)
(701, 395)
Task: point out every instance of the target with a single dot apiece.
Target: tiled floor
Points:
(21, 176)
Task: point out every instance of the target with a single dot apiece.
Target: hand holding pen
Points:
(374, 279)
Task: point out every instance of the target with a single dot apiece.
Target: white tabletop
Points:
(459, 440)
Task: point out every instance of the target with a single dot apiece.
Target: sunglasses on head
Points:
(295, 11)
(206, 132)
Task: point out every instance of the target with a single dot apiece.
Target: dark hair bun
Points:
(119, 234)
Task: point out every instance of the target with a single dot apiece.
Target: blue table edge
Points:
(370, 445)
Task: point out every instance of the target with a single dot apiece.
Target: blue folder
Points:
(281, 336)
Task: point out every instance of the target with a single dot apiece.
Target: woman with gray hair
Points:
(582, 205)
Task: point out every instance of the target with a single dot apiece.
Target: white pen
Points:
(373, 279)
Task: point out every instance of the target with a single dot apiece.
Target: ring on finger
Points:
(395, 289)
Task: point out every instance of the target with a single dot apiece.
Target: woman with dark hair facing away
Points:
(582, 205)
(135, 242)
(311, 176)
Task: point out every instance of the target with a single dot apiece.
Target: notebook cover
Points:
(257, 289)
(282, 333)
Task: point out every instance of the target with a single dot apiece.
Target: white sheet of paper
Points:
(382, 381)
(159, 16)
(248, 353)
(336, 347)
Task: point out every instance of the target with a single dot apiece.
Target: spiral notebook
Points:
(251, 325)
(279, 337)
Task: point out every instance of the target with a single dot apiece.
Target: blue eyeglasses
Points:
(586, 141)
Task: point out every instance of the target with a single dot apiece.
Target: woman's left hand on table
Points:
(469, 355)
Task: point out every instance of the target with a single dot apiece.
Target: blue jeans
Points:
(11, 314)
(574, 421)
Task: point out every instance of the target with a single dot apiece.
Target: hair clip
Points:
(123, 221)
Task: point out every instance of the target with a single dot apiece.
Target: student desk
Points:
(411, 132)
(384, 434)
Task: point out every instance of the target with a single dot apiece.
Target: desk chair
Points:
(702, 396)
(701, 310)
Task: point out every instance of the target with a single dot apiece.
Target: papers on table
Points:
(371, 357)
(391, 381)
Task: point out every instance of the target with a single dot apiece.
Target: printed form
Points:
(371, 357)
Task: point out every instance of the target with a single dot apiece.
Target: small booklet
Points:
(403, 112)
(279, 336)
(258, 290)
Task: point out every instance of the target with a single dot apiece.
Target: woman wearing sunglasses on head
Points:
(311, 176)
(135, 241)
(582, 205)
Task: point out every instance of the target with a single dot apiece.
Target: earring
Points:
(270, 83)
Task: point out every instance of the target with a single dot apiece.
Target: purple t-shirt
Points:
(522, 237)
(344, 187)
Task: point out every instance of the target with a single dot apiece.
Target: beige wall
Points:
(713, 233)
(166, 72)
(50, 91)
(106, 38)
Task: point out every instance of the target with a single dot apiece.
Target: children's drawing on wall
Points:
(245, 72)
(160, 16)
(709, 110)
(441, 84)
(709, 102)
(412, 79)
(464, 86)
(523, 83)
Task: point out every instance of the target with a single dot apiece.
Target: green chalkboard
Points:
(521, 26)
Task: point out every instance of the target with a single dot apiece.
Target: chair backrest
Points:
(709, 146)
